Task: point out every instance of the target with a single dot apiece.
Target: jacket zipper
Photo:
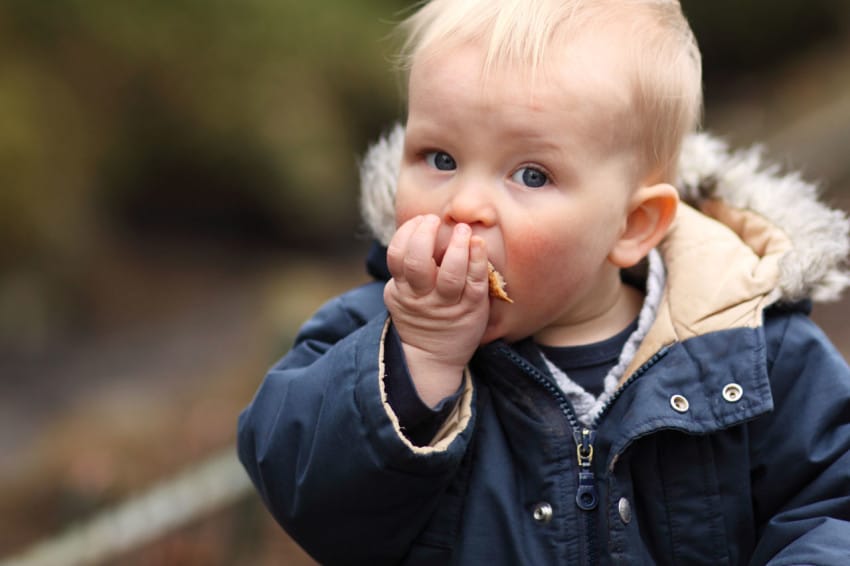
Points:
(587, 497)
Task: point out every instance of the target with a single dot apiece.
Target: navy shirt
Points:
(588, 364)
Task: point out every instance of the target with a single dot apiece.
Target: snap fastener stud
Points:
(542, 513)
(679, 403)
(625, 510)
(733, 392)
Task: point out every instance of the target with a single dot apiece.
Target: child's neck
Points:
(619, 311)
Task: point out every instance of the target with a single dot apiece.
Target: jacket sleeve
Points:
(802, 480)
(325, 450)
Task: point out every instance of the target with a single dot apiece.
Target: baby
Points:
(654, 393)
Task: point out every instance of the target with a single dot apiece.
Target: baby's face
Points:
(535, 169)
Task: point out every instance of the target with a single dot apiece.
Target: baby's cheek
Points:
(533, 251)
(403, 213)
(407, 207)
(541, 264)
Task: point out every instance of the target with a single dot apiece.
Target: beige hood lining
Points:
(713, 281)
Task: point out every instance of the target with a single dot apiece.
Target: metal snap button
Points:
(733, 392)
(625, 510)
(542, 513)
(679, 403)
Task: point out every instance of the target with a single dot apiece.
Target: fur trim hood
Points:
(712, 179)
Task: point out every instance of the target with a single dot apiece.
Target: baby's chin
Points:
(499, 329)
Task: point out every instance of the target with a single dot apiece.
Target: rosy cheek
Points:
(532, 249)
(539, 264)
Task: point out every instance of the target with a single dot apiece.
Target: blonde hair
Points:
(666, 83)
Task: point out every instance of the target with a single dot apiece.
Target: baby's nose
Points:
(471, 203)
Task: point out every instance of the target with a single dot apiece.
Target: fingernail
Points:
(462, 229)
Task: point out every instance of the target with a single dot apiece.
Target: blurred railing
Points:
(199, 491)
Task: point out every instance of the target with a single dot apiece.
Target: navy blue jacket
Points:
(727, 440)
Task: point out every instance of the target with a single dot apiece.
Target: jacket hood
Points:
(776, 215)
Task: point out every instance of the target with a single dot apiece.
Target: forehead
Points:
(583, 81)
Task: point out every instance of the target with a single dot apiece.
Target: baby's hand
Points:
(439, 311)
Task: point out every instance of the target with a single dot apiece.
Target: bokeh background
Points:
(178, 192)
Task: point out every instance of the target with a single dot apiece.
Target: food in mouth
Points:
(497, 284)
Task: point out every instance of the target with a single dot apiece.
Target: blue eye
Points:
(440, 160)
(530, 177)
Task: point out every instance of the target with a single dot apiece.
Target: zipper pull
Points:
(586, 497)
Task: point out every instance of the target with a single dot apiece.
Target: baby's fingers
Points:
(397, 248)
(476, 275)
(451, 278)
(419, 267)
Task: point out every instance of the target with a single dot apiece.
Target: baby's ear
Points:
(651, 211)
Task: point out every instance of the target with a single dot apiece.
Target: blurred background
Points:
(178, 192)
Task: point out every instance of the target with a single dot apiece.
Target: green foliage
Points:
(175, 118)
(94, 91)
